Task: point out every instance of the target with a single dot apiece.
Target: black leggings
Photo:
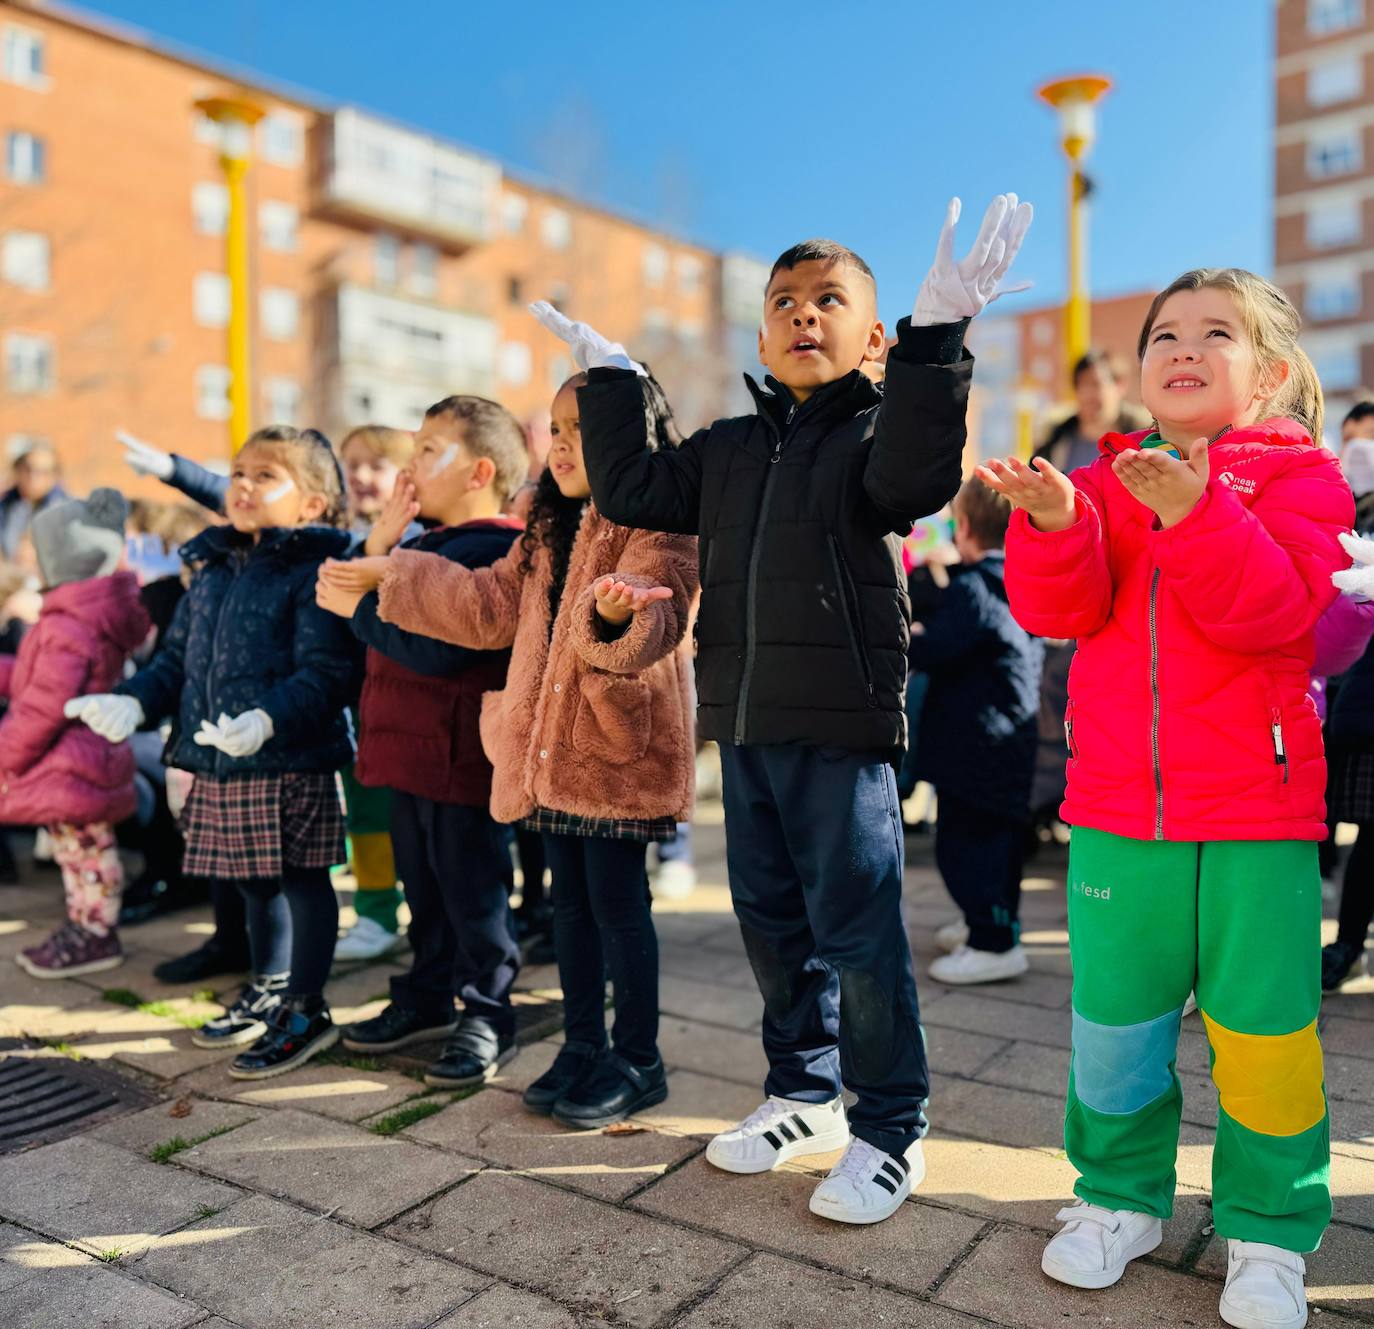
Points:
(292, 926)
(1357, 890)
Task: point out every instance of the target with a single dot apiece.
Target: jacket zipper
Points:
(849, 599)
(1068, 738)
(1280, 752)
(1154, 704)
(237, 561)
(751, 593)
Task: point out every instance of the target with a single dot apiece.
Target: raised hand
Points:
(1356, 581)
(143, 458)
(1168, 487)
(398, 512)
(353, 574)
(239, 736)
(113, 717)
(617, 603)
(334, 600)
(1041, 489)
(956, 290)
(590, 350)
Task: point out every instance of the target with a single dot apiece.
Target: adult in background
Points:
(1099, 379)
(37, 485)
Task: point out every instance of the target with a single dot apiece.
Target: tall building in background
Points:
(1324, 185)
(390, 267)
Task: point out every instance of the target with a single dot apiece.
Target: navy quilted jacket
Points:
(248, 634)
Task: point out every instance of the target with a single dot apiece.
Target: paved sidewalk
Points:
(349, 1195)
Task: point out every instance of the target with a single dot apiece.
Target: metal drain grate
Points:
(42, 1099)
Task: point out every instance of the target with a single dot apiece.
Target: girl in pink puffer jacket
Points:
(1192, 562)
(55, 772)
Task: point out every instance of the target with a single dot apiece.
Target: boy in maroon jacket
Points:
(419, 737)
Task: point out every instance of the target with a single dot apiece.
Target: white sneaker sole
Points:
(1100, 1278)
(72, 971)
(840, 1214)
(975, 979)
(345, 955)
(822, 1143)
(1240, 1319)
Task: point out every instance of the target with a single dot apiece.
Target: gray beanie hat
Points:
(80, 538)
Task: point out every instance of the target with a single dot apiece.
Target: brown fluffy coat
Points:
(587, 726)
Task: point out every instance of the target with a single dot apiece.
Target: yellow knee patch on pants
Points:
(1269, 1083)
(374, 865)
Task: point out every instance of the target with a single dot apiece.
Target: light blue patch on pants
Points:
(1120, 1068)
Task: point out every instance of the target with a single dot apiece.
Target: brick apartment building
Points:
(389, 268)
(1324, 185)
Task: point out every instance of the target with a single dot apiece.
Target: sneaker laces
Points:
(861, 1160)
(762, 1117)
(1089, 1213)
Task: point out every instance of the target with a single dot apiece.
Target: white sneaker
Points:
(1097, 1244)
(42, 845)
(952, 936)
(674, 880)
(1263, 1287)
(969, 966)
(780, 1129)
(868, 1185)
(367, 939)
(1190, 1005)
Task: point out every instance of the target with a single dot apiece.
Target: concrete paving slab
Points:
(701, 1105)
(24, 1256)
(710, 1050)
(992, 1113)
(978, 1014)
(502, 1307)
(95, 1297)
(710, 1003)
(142, 1131)
(322, 1087)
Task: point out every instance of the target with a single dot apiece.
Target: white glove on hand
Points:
(590, 350)
(1356, 581)
(113, 718)
(953, 291)
(240, 737)
(143, 458)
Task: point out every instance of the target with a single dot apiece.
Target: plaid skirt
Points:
(1350, 785)
(545, 821)
(254, 825)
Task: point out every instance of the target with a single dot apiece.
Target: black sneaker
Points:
(209, 961)
(246, 1020)
(296, 1030)
(611, 1091)
(573, 1061)
(472, 1055)
(1338, 959)
(396, 1027)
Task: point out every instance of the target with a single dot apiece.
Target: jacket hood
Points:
(291, 543)
(849, 395)
(108, 605)
(1277, 432)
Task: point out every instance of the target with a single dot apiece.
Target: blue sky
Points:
(751, 126)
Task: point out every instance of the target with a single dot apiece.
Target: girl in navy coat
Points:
(255, 677)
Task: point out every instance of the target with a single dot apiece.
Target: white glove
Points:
(953, 291)
(1356, 581)
(113, 718)
(240, 737)
(145, 459)
(590, 350)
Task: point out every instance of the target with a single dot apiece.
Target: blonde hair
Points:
(393, 445)
(307, 454)
(1272, 324)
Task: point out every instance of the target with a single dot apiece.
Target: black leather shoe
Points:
(611, 1091)
(297, 1029)
(574, 1060)
(209, 961)
(472, 1055)
(396, 1027)
(1338, 960)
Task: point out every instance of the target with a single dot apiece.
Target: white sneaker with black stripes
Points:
(868, 1185)
(780, 1129)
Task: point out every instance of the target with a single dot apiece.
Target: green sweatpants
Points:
(1239, 922)
(369, 850)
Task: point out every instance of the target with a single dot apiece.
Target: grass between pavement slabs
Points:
(417, 1109)
(164, 1009)
(169, 1149)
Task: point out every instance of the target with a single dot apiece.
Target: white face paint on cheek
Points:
(446, 459)
(281, 491)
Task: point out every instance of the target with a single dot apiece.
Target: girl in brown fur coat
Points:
(591, 741)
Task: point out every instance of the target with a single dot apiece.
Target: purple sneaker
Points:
(71, 950)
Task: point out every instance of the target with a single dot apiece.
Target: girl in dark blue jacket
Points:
(256, 677)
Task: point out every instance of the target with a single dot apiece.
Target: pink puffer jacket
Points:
(1188, 716)
(53, 769)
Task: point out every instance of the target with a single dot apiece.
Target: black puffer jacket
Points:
(804, 624)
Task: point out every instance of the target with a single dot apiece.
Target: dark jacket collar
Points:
(290, 543)
(848, 396)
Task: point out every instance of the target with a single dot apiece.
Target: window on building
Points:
(1332, 223)
(283, 400)
(280, 313)
(278, 222)
(281, 138)
(1334, 152)
(513, 210)
(556, 229)
(210, 207)
(25, 260)
(28, 363)
(1333, 294)
(688, 274)
(212, 392)
(21, 58)
(210, 299)
(386, 259)
(1327, 16)
(515, 290)
(25, 158)
(1337, 80)
(655, 263)
(513, 363)
(1337, 365)
(424, 269)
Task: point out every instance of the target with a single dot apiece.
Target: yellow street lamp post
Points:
(236, 117)
(1075, 100)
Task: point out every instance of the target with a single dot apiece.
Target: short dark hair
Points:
(818, 251)
(1096, 358)
(490, 431)
(1361, 410)
(988, 514)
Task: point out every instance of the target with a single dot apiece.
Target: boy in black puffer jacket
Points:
(801, 671)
